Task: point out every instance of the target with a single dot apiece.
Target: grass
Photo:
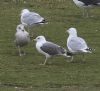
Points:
(24, 73)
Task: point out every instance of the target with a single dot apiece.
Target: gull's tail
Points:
(69, 54)
(64, 52)
(43, 22)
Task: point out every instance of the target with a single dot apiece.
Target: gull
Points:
(48, 49)
(76, 44)
(86, 5)
(30, 19)
(22, 38)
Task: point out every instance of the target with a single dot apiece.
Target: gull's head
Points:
(40, 39)
(20, 27)
(24, 11)
(72, 31)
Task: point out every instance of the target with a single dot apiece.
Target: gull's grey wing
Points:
(32, 18)
(52, 49)
(77, 43)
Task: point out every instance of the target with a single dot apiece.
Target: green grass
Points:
(24, 73)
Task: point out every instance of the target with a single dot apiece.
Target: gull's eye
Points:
(19, 27)
(38, 38)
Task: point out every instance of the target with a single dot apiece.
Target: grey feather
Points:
(52, 49)
(77, 43)
(32, 18)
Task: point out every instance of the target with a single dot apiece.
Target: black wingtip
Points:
(90, 49)
(69, 54)
(44, 21)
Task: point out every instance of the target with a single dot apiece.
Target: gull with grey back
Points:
(22, 38)
(30, 19)
(75, 44)
(48, 49)
(86, 5)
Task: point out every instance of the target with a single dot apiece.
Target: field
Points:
(24, 73)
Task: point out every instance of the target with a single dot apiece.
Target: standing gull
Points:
(30, 19)
(76, 44)
(48, 49)
(22, 38)
(86, 5)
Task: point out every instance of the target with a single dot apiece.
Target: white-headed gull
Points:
(76, 44)
(48, 49)
(30, 19)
